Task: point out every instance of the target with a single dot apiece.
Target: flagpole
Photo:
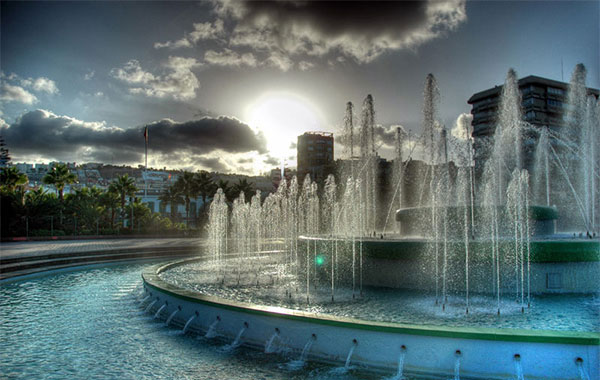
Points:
(146, 164)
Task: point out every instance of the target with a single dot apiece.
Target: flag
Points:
(146, 134)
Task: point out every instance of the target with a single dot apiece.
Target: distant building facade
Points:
(315, 153)
(543, 103)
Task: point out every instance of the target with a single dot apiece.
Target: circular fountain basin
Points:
(429, 350)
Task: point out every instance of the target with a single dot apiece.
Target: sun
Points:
(282, 117)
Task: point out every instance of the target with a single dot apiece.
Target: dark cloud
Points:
(212, 164)
(286, 34)
(359, 29)
(43, 133)
(272, 161)
(204, 135)
(385, 135)
(335, 18)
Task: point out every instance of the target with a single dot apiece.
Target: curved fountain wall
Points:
(557, 266)
(425, 350)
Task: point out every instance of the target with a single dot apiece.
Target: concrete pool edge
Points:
(151, 277)
(430, 351)
(15, 267)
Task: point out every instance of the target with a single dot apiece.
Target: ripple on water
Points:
(88, 325)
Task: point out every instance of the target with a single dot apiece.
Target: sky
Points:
(228, 86)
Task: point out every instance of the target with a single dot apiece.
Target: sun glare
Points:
(282, 117)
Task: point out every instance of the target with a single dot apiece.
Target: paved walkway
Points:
(38, 248)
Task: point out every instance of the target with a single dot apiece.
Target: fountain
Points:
(476, 266)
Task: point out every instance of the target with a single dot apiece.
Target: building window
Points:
(556, 91)
(530, 115)
(555, 103)
(528, 102)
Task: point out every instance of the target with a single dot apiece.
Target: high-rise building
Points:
(543, 103)
(315, 153)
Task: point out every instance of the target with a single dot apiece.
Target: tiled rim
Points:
(151, 278)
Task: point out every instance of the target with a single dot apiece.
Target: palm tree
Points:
(243, 186)
(59, 177)
(173, 198)
(110, 199)
(11, 178)
(85, 205)
(124, 186)
(38, 205)
(224, 185)
(206, 186)
(187, 187)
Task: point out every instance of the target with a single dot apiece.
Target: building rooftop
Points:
(324, 134)
(522, 82)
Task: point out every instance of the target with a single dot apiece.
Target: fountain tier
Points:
(426, 350)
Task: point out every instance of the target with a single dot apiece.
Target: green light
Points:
(320, 260)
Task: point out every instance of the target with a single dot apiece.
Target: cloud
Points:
(385, 135)
(214, 164)
(280, 61)
(458, 145)
(89, 75)
(10, 93)
(65, 138)
(44, 85)
(359, 29)
(462, 127)
(304, 65)
(13, 88)
(202, 31)
(40, 84)
(184, 42)
(176, 80)
(207, 134)
(272, 161)
(281, 33)
(228, 57)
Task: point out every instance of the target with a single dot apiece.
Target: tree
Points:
(40, 206)
(110, 200)
(206, 186)
(187, 186)
(85, 205)
(227, 190)
(59, 177)
(141, 213)
(124, 186)
(4, 155)
(243, 186)
(171, 196)
(11, 178)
